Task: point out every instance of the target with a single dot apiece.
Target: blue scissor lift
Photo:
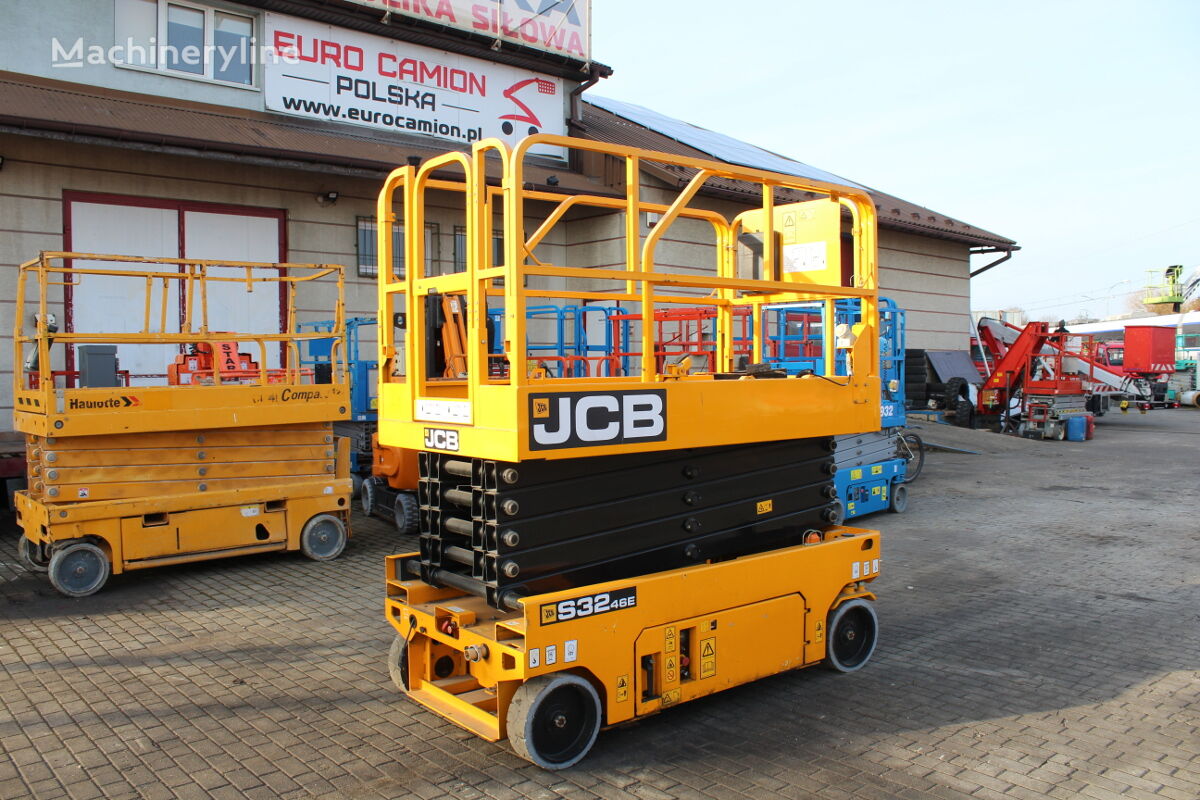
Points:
(362, 424)
(570, 352)
(873, 466)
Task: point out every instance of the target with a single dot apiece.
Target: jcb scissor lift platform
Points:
(599, 544)
(219, 453)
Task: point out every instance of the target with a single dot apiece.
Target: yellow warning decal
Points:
(766, 506)
(708, 657)
(622, 688)
(819, 631)
(549, 613)
(877, 469)
(670, 697)
(672, 670)
(855, 474)
(874, 490)
(669, 639)
(541, 407)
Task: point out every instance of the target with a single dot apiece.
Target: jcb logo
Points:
(441, 439)
(586, 419)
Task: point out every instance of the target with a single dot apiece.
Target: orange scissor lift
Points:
(218, 454)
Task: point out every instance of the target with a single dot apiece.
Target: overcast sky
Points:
(1071, 127)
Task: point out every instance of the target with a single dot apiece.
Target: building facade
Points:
(272, 143)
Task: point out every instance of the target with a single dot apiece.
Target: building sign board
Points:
(561, 27)
(331, 73)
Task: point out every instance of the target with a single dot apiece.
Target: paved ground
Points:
(1041, 614)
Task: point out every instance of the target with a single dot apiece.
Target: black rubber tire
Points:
(78, 569)
(839, 513)
(964, 414)
(30, 555)
(398, 663)
(368, 498)
(898, 502)
(407, 513)
(323, 538)
(553, 720)
(356, 484)
(917, 448)
(852, 632)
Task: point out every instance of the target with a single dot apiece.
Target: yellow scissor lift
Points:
(598, 548)
(213, 454)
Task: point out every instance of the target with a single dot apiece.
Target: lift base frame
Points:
(149, 531)
(644, 643)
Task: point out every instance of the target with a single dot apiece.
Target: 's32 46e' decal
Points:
(589, 605)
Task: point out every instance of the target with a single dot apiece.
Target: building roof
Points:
(38, 105)
(718, 145)
(614, 121)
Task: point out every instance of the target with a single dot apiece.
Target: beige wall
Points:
(929, 278)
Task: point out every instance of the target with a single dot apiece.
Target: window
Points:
(187, 39)
(233, 34)
(368, 253)
(460, 249)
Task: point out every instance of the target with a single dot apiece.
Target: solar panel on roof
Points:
(717, 145)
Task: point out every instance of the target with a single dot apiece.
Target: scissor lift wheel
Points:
(323, 538)
(31, 555)
(899, 499)
(407, 511)
(398, 663)
(553, 720)
(368, 495)
(853, 629)
(79, 569)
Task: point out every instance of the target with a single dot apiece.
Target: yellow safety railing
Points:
(500, 201)
(176, 299)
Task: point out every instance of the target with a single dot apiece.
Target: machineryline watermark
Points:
(133, 53)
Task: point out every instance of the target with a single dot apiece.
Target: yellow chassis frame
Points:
(217, 524)
(742, 620)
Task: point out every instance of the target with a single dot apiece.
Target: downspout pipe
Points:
(1008, 253)
(594, 76)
